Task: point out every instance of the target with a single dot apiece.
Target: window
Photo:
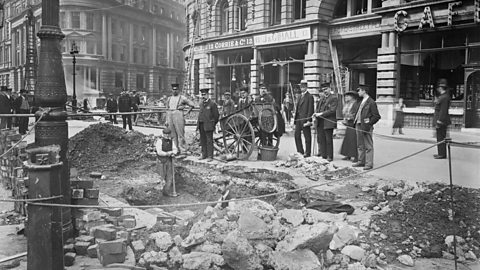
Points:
(136, 54)
(123, 53)
(224, 17)
(90, 21)
(241, 13)
(140, 81)
(75, 19)
(118, 79)
(144, 34)
(135, 32)
(144, 56)
(114, 27)
(90, 47)
(299, 9)
(275, 11)
(62, 20)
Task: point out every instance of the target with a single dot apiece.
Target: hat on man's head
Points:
(262, 85)
(23, 91)
(175, 85)
(9, 89)
(204, 90)
(442, 83)
(167, 131)
(3, 88)
(353, 94)
(227, 94)
(303, 82)
(324, 84)
(245, 89)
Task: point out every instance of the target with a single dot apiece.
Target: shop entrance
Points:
(472, 106)
(366, 77)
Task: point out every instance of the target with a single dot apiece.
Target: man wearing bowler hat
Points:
(326, 122)
(207, 119)
(175, 116)
(441, 118)
(303, 120)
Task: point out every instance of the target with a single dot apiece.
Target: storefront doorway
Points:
(365, 77)
(472, 106)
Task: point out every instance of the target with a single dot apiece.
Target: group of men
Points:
(127, 102)
(324, 115)
(11, 103)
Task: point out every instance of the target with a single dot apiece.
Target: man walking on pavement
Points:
(175, 116)
(125, 105)
(166, 150)
(112, 107)
(326, 122)
(303, 120)
(207, 119)
(22, 107)
(366, 116)
(442, 118)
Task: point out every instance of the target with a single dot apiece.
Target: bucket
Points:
(268, 153)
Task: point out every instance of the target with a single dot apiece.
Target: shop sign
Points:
(229, 44)
(427, 18)
(355, 28)
(282, 36)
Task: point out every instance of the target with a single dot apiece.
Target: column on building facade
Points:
(152, 75)
(349, 7)
(312, 66)
(233, 17)
(387, 76)
(369, 6)
(207, 66)
(255, 72)
(109, 38)
(104, 36)
(130, 43)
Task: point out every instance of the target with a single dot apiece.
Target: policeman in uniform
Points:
(207, 119)
(166, 150)
(175, 117)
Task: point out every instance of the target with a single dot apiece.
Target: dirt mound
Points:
(422, 222)
(106, 147)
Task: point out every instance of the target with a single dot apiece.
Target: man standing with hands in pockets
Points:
(326, 121)
(207, 119)
(303, 120)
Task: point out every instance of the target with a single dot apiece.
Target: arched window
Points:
(241, 13)
(224, 17)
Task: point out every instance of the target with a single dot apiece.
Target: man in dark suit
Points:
(112, 107)
(303, 120)
(22, 107)
(125, 106)
(207, 119)
(244, 99)
(442, 118)
(135, 103)
(326, 121)
(366, 116)
(5, 107)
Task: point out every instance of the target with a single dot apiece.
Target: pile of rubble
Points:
(106, 147)
(315, 168)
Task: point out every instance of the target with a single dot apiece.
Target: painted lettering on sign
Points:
(452, 13)
(426, 19)
(477, 11)
(231, 43)
(400, 26)
(283, 36)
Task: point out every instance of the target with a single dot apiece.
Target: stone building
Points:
(395, 48)
(131, 44)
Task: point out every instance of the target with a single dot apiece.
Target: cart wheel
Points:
(267, 120)
(238, 136)
(269, 140)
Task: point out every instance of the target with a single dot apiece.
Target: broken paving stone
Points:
(68, 248)
(138, 248)
(202, 261)
(92, 251)
(175, 257)
(315, 237)
(104, 232)
(292, 216)
(449, 240)
(312, 216)
(69, 259)
(81, 248)
(251, 226)
(370, 261)
(303, 259)
(238, 253)
(163, 241)
(85, 238)
(354, 252)
(470, 256)
(344, 236)
(406, 260)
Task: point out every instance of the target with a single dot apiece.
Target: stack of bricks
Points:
(103, 234)
(83, 192)
(12, 174)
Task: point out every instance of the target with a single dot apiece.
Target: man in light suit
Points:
(366, 116)
(326, 121)
(303, 120)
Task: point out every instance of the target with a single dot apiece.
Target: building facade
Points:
(396, 48)
(131, 44)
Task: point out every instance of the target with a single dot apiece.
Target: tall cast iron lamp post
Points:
(74, 52)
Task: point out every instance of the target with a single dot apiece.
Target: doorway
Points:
(472, 100)
(366, 77)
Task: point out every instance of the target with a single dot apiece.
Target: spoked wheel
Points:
(238, 136)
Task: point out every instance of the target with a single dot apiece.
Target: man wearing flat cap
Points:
(244, 100)
(207, 119)
(228, 104)
(441, 117)
(326, 121)
(303, 120)
(166, 150)
(176, 117)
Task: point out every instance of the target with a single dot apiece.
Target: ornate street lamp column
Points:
(50, 93)
(74, 52)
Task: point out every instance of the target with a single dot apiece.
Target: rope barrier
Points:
(31, 200)
(239, 199)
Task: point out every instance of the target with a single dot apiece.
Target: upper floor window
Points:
(299, 9)
(275, 11)
(62, 20)
(241, 13)
(224, 17)
(75, 19)
(90, 21)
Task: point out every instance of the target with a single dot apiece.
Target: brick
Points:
(91, 193)
(81, 184)
(68, 248)
(123, 235)
(92, 215)
(114, 212)
(104, 233)
(69, 259)
(112, 247)
(77, 193)
(85, 238)
(92, 251)
(106, 259)
(166, 220)
(128, 223)
(85, 201)
(81, 248)
(112, 220)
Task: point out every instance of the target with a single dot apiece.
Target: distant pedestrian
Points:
(442, 118)
(86, 107)
(207, 120)
(135, 103)
(287, 108)
(366, 116)
(326, 115)
(176, 117)
(125, 106)
(228, 104)
(11, 100)
(399, 117)
(303, 120)
(22, 107)
(112, 107)
(349, 144)
(166, 150)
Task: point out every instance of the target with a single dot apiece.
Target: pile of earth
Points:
(106, 147)
(422, 225)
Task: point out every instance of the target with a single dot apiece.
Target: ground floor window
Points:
(119, 79)
(140, 82)
(232, 72)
